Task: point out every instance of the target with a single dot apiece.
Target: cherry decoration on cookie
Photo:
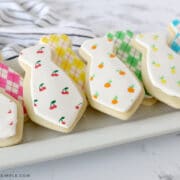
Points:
(50, 94)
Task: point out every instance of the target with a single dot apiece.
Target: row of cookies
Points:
(125, 70)
(117, 73)
(54, 94)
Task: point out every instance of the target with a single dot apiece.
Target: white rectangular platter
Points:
(94, 131)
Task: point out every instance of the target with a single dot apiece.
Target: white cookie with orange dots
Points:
(11, 120)
(160, 67)
(108, 90)
(51, 97)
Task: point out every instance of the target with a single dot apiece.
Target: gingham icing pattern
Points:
(175, 25)
(11, 82)
(66, 58)
(127, 53)
(175, 45)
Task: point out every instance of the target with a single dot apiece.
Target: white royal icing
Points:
(56, 99)
(111, 83)
(8, 117)
(163, 64)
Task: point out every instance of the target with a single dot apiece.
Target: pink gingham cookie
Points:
(11, 83)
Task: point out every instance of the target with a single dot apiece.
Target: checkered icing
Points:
(127, 53)
(11, 82)
(176, 43)
(66, 58)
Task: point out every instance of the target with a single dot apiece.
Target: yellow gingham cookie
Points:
(66, 58)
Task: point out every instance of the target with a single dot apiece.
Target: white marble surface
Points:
(151, 159)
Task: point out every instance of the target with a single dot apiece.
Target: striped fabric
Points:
(23, 22)
(25, 12)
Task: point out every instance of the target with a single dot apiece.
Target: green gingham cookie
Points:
(126, 53)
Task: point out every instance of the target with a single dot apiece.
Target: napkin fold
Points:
(23, 22)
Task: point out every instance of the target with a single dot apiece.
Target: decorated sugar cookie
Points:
(51, 97)
(129, 56)
(160, 67)
(66, 58)
(11, 83)
(111, 86)
(11, 120)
